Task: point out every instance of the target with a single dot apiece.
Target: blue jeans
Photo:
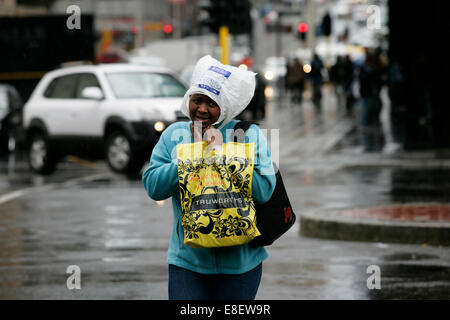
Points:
(188, 285)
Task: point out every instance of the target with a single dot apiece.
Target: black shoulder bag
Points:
(276, 216)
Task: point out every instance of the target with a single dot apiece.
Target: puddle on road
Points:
(406, 275)
(105, 180)
(117, 221)
(116, 259)
(413, 281)
(405, 256)
(322, 279)
(114, 209)
(301, 282)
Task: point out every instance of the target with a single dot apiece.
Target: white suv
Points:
(117, 111)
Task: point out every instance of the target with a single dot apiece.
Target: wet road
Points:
(118, 237)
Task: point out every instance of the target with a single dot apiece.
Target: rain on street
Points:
(83, 215)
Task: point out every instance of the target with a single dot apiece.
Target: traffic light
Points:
(235, 14)
(326, 24)
(302, 29)
(216, 14)
(239, 20)
(168, 30)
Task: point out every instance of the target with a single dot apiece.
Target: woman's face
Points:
(203, 109)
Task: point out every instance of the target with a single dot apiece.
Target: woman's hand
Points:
(209, 134)
(214, 137)
(197, 131)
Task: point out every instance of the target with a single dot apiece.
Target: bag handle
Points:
(244, 125)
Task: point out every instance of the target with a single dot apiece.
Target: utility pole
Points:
(139, 38)
(311, 21)
(178, 18)
(224, 43)
(278, 39)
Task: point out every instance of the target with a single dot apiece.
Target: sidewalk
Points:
(331, 141)
(415, 217)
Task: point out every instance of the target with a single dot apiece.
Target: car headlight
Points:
(269, 75)
(159, 126)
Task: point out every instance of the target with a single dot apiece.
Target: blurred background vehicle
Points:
(186, 74)
(273, 74)
(140, 56)
(112, 111)
(274, 69)
(112, 55)
(37, 44)
(11, 130)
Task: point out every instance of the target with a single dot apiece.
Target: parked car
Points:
(274, 68)
(112, 111)
(10, 117)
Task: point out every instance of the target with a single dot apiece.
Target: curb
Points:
(330, 225)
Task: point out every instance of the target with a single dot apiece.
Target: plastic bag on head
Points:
(230, 87)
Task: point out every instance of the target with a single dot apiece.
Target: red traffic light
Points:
(302, 27)
(134, 29)
(167, 28)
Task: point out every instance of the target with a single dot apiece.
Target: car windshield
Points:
(128, 85)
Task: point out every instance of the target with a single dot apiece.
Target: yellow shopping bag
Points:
(216, 195)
